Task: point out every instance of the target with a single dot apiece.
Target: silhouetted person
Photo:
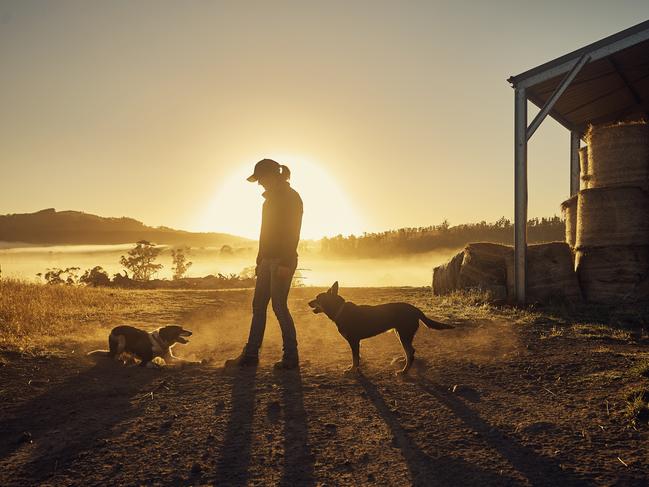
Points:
(276, 262)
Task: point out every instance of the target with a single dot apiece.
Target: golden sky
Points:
(389, 114)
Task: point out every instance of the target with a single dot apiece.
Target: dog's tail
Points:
(435, 325)
(100, 353)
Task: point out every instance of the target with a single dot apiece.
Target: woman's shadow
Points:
(299, 459)
(233, 463)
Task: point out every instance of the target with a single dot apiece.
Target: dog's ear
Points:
(334, 289)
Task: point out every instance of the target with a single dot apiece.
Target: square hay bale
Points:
(616, 216)
(614, 275)
(569, 210)
(550, 274)
(478, 266)
(618, 155)
(445, 276)
(483, 265)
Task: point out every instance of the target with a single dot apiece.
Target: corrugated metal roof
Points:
(613, 86)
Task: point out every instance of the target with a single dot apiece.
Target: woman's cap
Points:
(263, 168)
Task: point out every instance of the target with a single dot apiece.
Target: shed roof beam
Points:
(581, 62)
(629, 86)
(625, 80)
(598, 50)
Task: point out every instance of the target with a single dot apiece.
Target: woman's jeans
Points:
(270, 286)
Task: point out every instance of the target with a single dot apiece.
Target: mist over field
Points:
(416, 270)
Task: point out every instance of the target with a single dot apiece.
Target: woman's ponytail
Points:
(285, 172)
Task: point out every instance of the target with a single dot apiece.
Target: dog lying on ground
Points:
(145, 345)
(356, 322)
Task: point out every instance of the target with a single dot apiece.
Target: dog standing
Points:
(145, 345)
(356, 322)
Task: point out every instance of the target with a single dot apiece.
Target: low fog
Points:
(26, 262)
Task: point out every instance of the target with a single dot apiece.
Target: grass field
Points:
(510, 397)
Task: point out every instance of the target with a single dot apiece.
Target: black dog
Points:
(145, 345)
(358, 322)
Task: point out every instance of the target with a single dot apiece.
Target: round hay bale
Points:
(618, 155)
(612, 216)
(550, 274)
(583, 168)
(445, 276)
(612, 275)
(569, 210)
(483, 266)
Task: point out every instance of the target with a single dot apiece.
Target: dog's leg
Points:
(405, 337)
(146, 360)
(355, 345)
(171, 359)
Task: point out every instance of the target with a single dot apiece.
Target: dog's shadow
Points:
(424, 469)
(79, 415)
(442, 470)
(537, 469)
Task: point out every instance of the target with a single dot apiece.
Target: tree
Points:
(180, 262)
(95, 277)
(140, 260)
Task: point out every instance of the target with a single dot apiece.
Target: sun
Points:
(236, 206)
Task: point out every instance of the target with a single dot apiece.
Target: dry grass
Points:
(477, 305)
(28, 310)
(637, 406)
(641, 367)
(38, 315)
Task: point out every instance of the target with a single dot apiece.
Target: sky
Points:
(389, 114)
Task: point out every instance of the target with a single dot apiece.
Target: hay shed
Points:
(602, 83)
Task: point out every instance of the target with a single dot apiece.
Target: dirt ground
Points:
(493, 402)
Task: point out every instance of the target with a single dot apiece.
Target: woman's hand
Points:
(284, 272)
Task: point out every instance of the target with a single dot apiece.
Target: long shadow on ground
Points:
(537, 469)
(298, 457)
(424, 469)
(69, 419)
(234, 456)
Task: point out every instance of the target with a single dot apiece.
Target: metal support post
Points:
(520, 193)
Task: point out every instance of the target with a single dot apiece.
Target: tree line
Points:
(416, 240)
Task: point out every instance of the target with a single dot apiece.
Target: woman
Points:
(276, 262)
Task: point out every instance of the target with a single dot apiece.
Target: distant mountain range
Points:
(51, 227)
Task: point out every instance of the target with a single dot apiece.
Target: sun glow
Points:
(236, 206)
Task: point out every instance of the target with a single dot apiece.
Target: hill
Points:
(51, 227)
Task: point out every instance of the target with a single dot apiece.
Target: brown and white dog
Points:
(145, 345)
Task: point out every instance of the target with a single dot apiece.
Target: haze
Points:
(390, 114)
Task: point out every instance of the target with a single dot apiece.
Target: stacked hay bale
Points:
(551, 274)
(569, 211)
(584, 176)
(490, 267)
(478, 266)
(607, 227)
(445, 276)
(611, 236)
